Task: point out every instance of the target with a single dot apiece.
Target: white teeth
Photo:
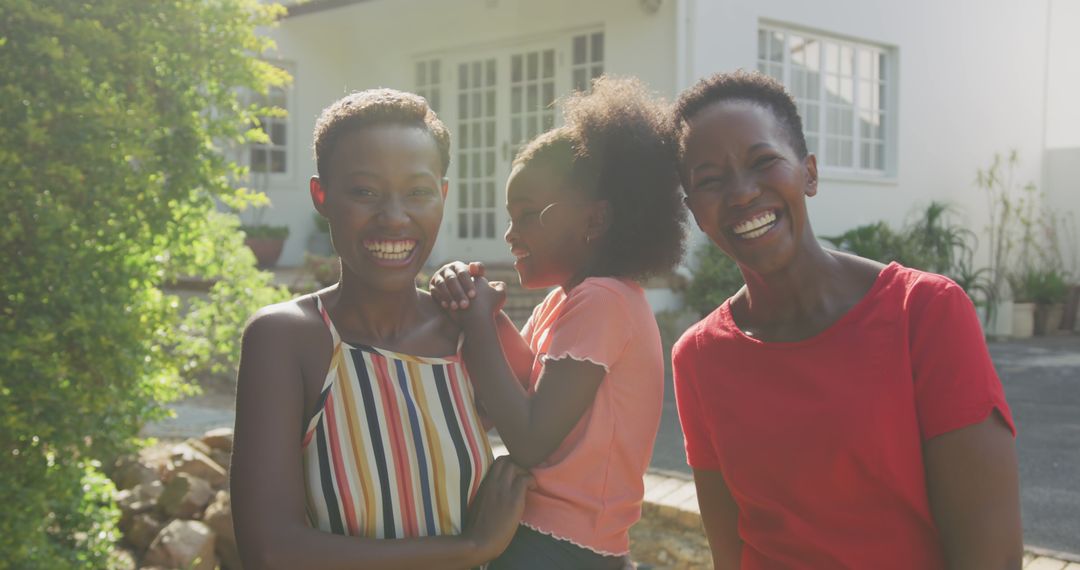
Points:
(392, 250)
(755, 227)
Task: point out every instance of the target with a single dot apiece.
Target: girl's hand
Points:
(488, 300)
(452, 284)
(496, 511)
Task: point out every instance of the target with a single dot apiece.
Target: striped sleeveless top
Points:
(395, 448)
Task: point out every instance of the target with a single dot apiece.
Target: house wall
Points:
(969, 84)
(374, 44)
(1062, 166)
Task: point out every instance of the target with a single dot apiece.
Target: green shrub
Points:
(113, 120)
(714, 278)
(265, 231)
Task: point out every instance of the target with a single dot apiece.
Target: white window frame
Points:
(266, 178)
(861, 106)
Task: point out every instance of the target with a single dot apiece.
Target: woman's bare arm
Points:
(720, 516)
(971, 478)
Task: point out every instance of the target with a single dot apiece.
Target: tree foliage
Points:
(114, 119)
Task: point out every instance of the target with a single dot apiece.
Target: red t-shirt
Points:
(820, 441)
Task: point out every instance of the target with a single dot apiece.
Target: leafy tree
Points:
(115, 116)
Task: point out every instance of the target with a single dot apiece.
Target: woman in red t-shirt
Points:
(838, 413)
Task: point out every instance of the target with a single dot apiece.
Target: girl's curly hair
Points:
(619, 144)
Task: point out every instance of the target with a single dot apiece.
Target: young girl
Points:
(354, 416)
(838, 413)
(593, 206)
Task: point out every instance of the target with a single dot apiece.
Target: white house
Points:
(902, 101)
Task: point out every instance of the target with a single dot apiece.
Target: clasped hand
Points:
(458, 286)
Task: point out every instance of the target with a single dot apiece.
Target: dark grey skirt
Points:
(532, 550)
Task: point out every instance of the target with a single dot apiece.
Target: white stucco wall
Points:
(969, 84)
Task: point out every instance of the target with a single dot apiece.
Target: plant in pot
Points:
(265, 240)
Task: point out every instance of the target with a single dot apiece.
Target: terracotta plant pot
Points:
(266, 250)
(1048, 318)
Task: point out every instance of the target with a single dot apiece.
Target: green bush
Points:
(714, 278)
(113, 122)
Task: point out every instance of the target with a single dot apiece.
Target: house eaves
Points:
(315, 6)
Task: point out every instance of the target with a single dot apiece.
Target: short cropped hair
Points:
(741, 85)
(618, 144)
(376, 107)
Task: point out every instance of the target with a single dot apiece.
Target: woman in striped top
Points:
(355, 418)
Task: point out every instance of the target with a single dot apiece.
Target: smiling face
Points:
(548, 224)
(383, 198)
(746, 186)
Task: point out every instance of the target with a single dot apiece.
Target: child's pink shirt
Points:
(589, 490)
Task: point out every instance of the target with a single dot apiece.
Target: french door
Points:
(493, 102)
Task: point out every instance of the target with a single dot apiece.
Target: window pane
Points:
(532, 98)
(476, 170)
(531, 129)
(476, 140)
(476, 197)
(277, 161)
(463, 76)
(490, 225)
(463, 225)
(464, 139)
(463, 165)
(489, 194)
(475, 72)
(515, 69)
(548, 122)
(579, 50)
(598, 47)
(477, 220)
(776, 47)
(515, 100)
(846, 153)
(489, 162)
(463, 106)
(489, 74)
(549, 63)
(436, 104)
(421, 73)
(476, 104)
(812, 119)
(434, 75)
(489, 134)
(516, 135)
(277, 133)
(489, 103)
(866, 157)
(597, 71)
(532, 66)
(581, 83)
(762, 44)
(463, 196)
(549, 94)
(258, 160)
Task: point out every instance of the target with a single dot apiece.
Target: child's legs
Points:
(532, 550)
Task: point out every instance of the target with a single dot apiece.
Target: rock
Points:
(128, 471)
(144, 528)
(219, 518)
(221, 439)
(187, 459)
(185, 496)
(196, 444)
(223, 458)
(122, 559)
(183, 544)
(133, 502)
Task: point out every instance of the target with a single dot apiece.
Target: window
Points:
(841, 88)
(272, 157)
(588, 59)
(429, 82)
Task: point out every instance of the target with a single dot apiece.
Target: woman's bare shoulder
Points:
(296, 319)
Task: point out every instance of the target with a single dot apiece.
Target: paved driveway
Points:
(1042, 384)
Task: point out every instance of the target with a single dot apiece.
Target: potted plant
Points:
(266, 242)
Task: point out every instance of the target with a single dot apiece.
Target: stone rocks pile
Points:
(174, 504)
